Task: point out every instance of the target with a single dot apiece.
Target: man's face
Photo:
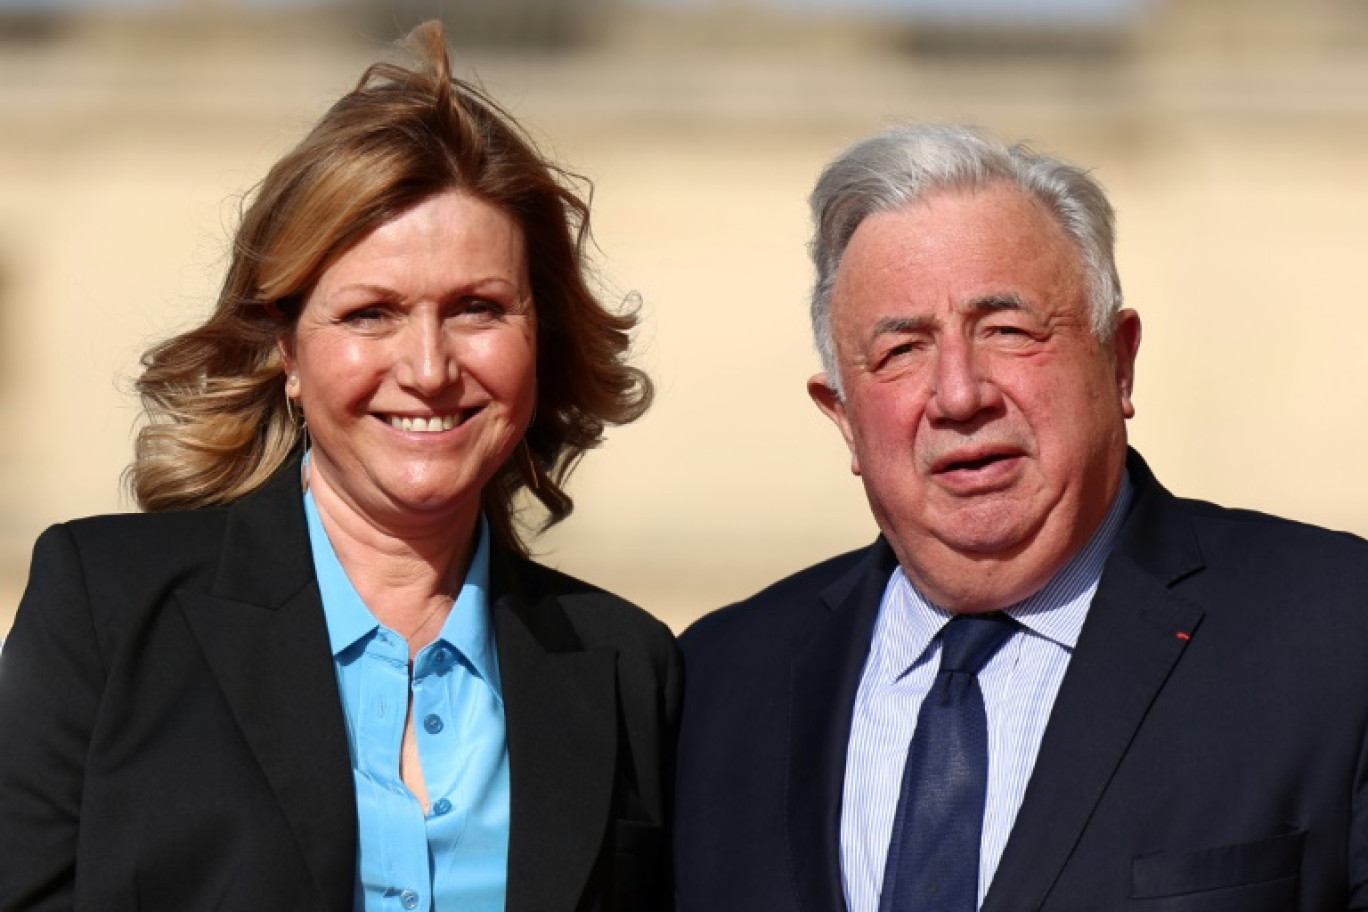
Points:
(985, 418)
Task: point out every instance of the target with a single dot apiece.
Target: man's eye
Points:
(1009, 331)
(897, 354)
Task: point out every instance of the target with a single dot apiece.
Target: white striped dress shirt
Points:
(1019, 685)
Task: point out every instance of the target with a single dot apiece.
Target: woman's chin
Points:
(424, 503)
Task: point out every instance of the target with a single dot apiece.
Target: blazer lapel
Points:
(1135, 633)
(825, 677)
(264, 638)
(560, 704)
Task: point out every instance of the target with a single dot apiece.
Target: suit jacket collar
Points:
(262, 630)
(1135, 634)
(561, 704)
(1128, 647)
(825, 676)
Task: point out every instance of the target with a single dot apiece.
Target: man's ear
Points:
(833, 406)
(1125, 346)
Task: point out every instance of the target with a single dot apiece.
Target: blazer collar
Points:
(561, 708)
(825, 676)
(1137, 630)
(262, 632)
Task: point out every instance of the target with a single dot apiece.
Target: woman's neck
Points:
(408, 577)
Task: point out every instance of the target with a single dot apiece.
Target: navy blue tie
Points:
(933, 856)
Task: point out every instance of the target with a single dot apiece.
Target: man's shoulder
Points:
(785, 605)
(1219, 527)
(1250, 557)
(1251, 532)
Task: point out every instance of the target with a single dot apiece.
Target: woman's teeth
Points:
(425, 425)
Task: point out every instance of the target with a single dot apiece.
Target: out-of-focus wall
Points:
(1233, 146)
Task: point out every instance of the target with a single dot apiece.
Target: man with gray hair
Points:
(1049, 684)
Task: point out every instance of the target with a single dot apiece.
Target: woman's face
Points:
(416, 363)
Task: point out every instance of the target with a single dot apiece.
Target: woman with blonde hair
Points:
(320, 671)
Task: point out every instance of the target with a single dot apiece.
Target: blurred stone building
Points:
(1230, 133)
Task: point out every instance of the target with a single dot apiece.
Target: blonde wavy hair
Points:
(216, 425)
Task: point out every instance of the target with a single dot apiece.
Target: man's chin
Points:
(978, 566)
(987, 528)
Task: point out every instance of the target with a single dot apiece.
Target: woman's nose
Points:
(427, 361)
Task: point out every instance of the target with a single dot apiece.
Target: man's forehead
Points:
(945, 221)
(996, 247)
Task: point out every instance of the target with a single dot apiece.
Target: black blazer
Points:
(1208, 749)
(173, 737)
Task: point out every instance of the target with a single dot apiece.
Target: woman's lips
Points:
(428, 424)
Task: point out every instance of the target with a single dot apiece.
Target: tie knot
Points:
(970, 640)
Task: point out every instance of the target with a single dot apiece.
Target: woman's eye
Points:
(481, 309)
(484, 306)
(363, 315)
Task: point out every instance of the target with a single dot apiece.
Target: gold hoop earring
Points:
(533, 476)
(530, 473)
(303, 425)
(298, 419)
(292, 384)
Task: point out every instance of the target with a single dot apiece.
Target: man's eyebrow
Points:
(995, 302)
(898, 325)
(987, 304)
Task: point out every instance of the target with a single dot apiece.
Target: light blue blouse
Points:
(455, 857)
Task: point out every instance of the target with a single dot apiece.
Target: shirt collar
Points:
(908, 621)
(348, 618)
(1058, 610)
(468, 629)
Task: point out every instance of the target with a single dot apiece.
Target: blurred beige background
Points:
(1231, 135)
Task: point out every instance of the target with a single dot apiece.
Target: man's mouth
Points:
(975, 465)
(972, 464)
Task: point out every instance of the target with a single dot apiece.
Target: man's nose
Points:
(426, 361)
(962, 386)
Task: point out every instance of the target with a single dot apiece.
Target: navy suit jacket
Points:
(1208, 749)
(172, 736)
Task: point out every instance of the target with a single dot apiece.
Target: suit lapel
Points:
(264, 638)
(1126, 651)
(560, 703)
(825, 676)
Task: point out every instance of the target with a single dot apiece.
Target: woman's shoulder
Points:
(133, 547)
(115, 525)
(598, 615)
(137, 532)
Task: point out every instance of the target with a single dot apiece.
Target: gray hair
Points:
(898, 168)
